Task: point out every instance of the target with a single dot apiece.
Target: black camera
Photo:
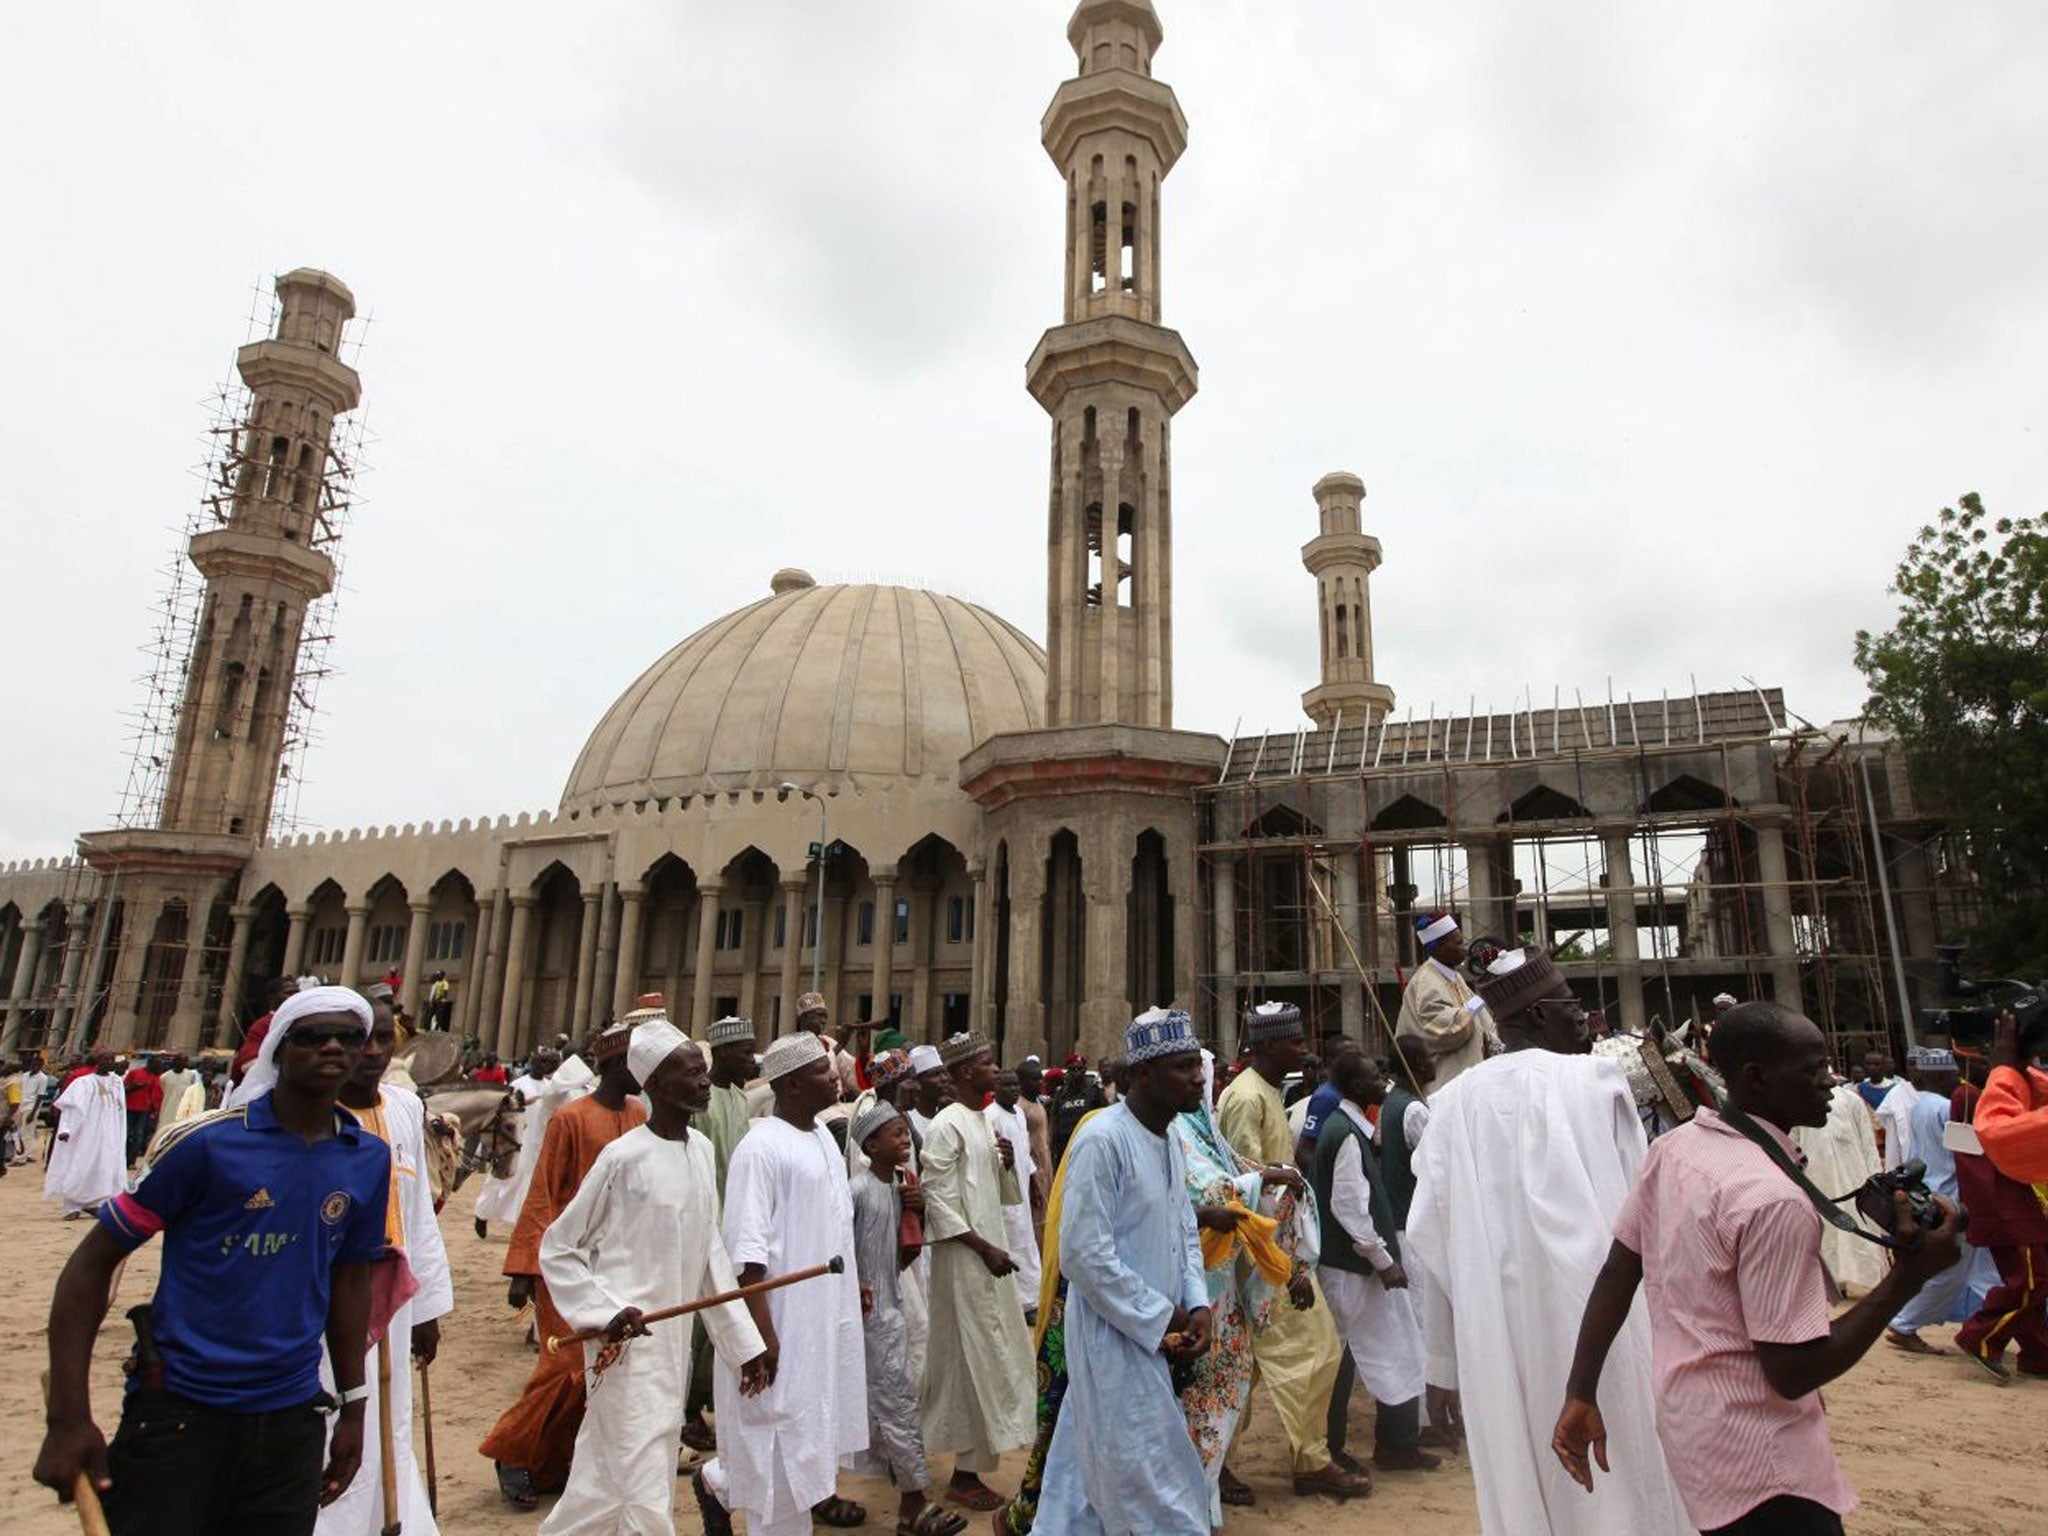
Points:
(1874, 1200)
(1974, 1025)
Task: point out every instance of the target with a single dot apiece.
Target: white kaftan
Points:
(787, 1207)
(89, 1163)
(1528, 1160)
(1895, 1119)
(1021, 1239)
(360, 1509)
(1380, 1326)
(1840, 1155)
(979, 1380)
(642, 1231)
(1122, 1462)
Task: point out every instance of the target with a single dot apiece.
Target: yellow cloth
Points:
(1254, 1237)
(1049, 1254)
(373, 1121)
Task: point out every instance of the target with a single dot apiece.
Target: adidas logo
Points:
(260, 1201)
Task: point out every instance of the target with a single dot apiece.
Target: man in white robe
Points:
(1006, 1113)
(396, 1116)
(501, 1199)
(1121, 1461)
(979, 1381)
(787, 1207)
(1528, 1159)
(1839, 1157)
(641, 1234)
(1895, 1122)
(89, 1159)
(1440, 1006)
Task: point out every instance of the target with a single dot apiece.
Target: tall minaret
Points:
(1342, 559)
(1111, 377)
(264, 563)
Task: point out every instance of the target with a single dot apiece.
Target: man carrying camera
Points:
(1723, 1233)
(2007, 1212)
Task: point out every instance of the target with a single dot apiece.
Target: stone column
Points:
(238, 962)
(1350, 955)
(188, 1017)
(1621, 930)
(1782, 960)
(24, 983)
(586, 964)
(77, 940)
(415, 956)
(296, 919)
(708, 892)
(924, 922)
(472, 1000)
(138, 926)
(1024, 1010)
(1105, 1011)
(884, 876)
(514, 988)
(980, 996)
(1223, 935)
(832, 934)
(793, 888)
(602, 981)
(626, 984)
(352, 942)
(753, 946)
(1482, 893)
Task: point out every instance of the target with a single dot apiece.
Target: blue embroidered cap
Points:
(1159, 1032)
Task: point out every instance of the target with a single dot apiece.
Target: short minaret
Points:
(264, 563)
(1111, 377)
(1342, 559)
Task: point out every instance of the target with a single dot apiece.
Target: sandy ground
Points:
(1928, 1445)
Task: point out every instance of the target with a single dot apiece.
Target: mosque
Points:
(902, 800)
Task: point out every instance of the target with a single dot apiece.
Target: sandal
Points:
(840, 1514)
(981, 1498)
(932, 1520)
(717, 1522)
(701, 1437)
(516, 1484)
(1332, 1482)
(1911, 1343)
(1234, 1490)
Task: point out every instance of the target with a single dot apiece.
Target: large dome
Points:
(826, 686)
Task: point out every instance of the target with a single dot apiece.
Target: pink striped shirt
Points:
(1731, 1258)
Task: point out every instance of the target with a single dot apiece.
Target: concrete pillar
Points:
(417, 913)
(626, 983)
(514, 987)
(352, 942)
(980, 996)
(1621, 930)
(1223, 936)
(471, 998)
(188, 1017)
(1481, 913)
(244, 919)
(832, 934)
(1024, 1029)
(924, 921)
(1350, 944)
(753, 947)
(77, 940)
(296, 920)
(1782, 961)
(139, 918)
(793, 888)
(708, 892)
(1105, 1010)
(23, 984)
(599, 988)
(586, 964)
(884, 876)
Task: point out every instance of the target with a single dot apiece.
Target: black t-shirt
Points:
(1072, 1106)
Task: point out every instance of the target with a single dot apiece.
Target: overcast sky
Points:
(1655, 331)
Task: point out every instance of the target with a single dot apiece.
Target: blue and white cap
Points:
(1928, 1058)
(1159, 1032)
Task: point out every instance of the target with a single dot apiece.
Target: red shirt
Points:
(245, 1053)
(490, 1075)
(145, 1091)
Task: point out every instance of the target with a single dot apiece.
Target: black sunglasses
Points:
(313, 1036)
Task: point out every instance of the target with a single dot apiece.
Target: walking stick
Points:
(583, 1335)
(427, 1420)
(92, 1519)
(387, 1455)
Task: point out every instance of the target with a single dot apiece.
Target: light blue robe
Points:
(1122, 1462)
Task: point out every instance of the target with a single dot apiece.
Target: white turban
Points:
(925, 1058)
(262, 1074)
(650, 1047)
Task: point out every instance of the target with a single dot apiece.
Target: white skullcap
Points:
(651, 1045)
(786, 1053)
(1725, 1000)
(1510, 961)
(262, 1074)
(925, 1058)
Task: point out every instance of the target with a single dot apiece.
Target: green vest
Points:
(1395, 1166)
(1337, 1250)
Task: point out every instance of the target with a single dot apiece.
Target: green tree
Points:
(1962, 681)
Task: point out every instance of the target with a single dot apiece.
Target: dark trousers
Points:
(183, 1469)
(1339, 1427)
(2015, 1311)
(1784, 1516)
(1399, 1427)
(140, 1123)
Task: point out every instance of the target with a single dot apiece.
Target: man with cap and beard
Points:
(978, 1398)
(934, 1089)
(787, 1207)
(1440, 1004)
(1528, 1159)
(642, 1233)
(533, 1441)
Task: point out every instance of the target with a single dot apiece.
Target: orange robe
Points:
(538, 1433)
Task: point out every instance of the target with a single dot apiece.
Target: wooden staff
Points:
(385, 1438)
(427, 1421)
(583, 1335)
(92, 1519)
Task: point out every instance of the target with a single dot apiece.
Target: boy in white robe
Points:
(1006, 1113)
(641, 1234)
(89, 1157)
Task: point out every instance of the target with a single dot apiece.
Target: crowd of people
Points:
(849, 1251)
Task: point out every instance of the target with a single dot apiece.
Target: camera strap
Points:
(1830, 1208)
